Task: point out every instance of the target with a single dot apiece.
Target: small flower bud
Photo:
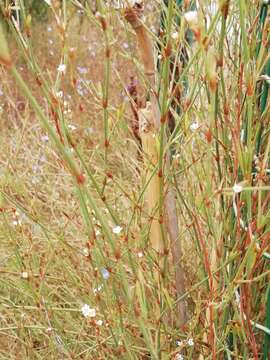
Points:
(28, 22)
(224, 7)
(211, 73)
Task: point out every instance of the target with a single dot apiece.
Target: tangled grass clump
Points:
(99, 213)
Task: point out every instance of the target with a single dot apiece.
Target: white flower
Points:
(89, 131)
(85, 252)
(179, 357)
(72, 127)
(87, 311)
(174, 35)
(98, 289)
(237, 188)
(117, 229)
(93, 53)
(44, 138)
(35, 180)
(59, 94)
(179, 343)
(105, 273)
(125, 45)
(153, 29)
(194, 126)
(140, 254)
(49, 2)
(191, 17)
(190, 342)
(24, 275)
(99, 322)
(134, 2)
(82, 70)
(17, 222)
(62, 68)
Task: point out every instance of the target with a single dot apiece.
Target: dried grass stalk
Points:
(150, 155)
(149, 119)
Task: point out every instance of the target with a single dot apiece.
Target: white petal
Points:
(174, 35)
(61, 68)
(117, 229)
(237, 188)
(194, 126)
(191, 17)
(179, 357)
(24, 275)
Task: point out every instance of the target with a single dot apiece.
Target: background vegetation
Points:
(79, 278)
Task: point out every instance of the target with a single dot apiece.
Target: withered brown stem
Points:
(134, 17)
